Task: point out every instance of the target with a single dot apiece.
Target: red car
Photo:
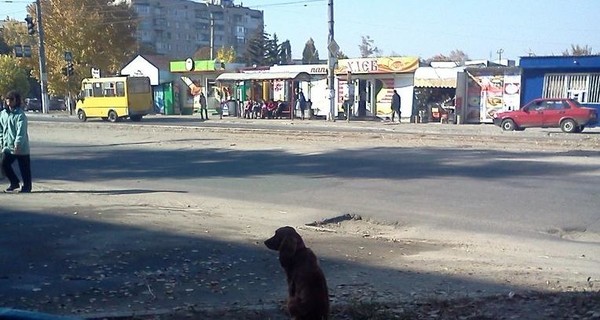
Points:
(566, 114)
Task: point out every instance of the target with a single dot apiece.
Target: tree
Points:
(12, 76)
(310, 54)
(255, 49)
(264, 51)
(285, 53)
(577, 50)
(4, 48)
(202, 53)
(99, 34)
(226, 54)
(271, 51)
(367, 47)
(457, 56)
(341, 55)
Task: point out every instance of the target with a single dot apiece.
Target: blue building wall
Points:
(533, 70)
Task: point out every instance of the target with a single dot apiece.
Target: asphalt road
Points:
(527, 192)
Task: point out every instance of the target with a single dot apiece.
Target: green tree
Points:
(310, 54)
(99, 34)
(367, 47)
(265, 51)
(255, 49)
(577, 50)
(12, 76)
(285, 53)
(271, 51)
(342, 55)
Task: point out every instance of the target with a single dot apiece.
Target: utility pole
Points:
(212, 36)
(42, 57)
(331, 61)
(499, 52)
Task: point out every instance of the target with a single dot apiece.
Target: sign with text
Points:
(378, 65)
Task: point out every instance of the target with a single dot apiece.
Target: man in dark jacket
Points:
(396, 104)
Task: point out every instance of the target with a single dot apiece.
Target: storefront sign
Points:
(378, 65)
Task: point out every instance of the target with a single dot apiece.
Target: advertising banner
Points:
(378, 65)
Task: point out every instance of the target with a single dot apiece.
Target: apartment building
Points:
(178, 28)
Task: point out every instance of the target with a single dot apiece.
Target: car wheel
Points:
(81, 115)
(568, 126)
(508, 125)
(136, 118)
(112, 116)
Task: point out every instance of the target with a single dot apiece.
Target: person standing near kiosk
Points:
(396, 104)
(300, 102)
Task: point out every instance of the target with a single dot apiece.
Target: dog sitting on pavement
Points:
(308, 297)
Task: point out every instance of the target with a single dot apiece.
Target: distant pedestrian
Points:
(396, 105)
(203, 109)
(300, 102)
(14, 142)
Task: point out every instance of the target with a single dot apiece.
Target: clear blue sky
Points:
(426, 27)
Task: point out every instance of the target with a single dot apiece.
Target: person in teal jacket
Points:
(14, 142)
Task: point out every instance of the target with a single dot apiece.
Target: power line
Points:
(304, 2)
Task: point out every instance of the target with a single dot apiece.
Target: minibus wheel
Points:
(81, 115)
(112, 116)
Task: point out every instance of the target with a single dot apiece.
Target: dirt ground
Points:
(191, 256)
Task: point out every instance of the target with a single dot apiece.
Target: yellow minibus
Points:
(114, 98)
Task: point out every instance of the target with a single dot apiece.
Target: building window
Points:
(583, 87)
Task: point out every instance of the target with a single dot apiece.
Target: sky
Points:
(424, 28)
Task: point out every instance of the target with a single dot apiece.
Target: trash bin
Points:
(187, 110)
(232, 108)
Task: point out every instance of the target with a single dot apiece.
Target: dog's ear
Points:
(287, 250)
(288, 245)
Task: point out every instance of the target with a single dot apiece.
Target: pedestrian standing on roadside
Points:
(203, 109)
(396, 104)
(300, 102)
(14, 142)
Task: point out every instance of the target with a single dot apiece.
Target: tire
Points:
(569, 126)
(136, 118)
(508, 125)
(81, 115)
(112, 116)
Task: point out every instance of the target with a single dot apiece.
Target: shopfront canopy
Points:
(429, 77)
(264, 76)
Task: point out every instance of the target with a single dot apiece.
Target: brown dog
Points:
(308, 298)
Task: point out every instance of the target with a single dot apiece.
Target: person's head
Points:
(395, 91)
(12, 99)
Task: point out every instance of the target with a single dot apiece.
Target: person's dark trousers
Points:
(24, 166)
(205, 112)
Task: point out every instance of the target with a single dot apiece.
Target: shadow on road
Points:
(82, 264)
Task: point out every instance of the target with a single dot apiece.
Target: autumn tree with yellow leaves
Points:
(100, 34)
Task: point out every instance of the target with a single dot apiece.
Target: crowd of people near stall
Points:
(265, 109)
